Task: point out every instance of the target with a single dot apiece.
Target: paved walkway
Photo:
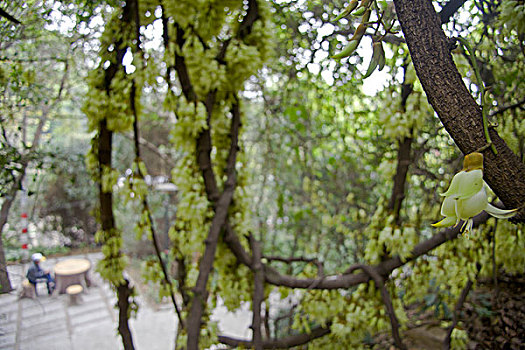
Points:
(50, 323)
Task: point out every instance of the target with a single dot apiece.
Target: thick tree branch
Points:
(346, 280)
(124, 293)
(222, 205)
(233, 242)
(400, 177)
(403, 155)
(283, 343)
(449, 9)
(458, 111)
(247, 22)
(220, 202)
(180, 66)
(7, 16)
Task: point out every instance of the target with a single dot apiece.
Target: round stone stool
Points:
(74, 292)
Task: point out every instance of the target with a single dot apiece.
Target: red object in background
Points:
(24, 215)
(24, 230)
(24, 246)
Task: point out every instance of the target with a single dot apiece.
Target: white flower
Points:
(467, 196)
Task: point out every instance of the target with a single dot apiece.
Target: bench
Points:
(28, 290)
(74, 292)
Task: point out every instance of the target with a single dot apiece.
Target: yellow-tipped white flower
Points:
(466, 196)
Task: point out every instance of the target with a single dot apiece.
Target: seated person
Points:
(35, 272)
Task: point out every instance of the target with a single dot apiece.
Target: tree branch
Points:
(104, 151)
(180, 66)
(457, 109)
(380, 284)
(346, 281)
(7, 16)
(145, 204)
(507, 107)
(258, 293)
(222, 205)
(283, 343)
(457, 310)
(404, 158)
(449, 9)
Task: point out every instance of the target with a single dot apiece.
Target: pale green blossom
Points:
(467, 196)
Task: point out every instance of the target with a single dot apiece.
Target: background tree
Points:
(295, 181)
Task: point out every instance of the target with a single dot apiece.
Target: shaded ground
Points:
(495, 315)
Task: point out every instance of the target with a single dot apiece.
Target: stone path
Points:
(48, 322)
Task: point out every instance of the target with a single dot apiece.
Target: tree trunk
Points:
(5, 283)
(104, 157)
(108, 225)
(457, 109)
(400, 178)
(105, 136)
(403, 156)
(123, 294)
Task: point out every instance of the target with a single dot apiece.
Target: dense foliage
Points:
(307, 159)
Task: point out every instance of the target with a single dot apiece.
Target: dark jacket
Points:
(35, 272)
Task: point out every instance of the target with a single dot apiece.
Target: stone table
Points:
(72, 271)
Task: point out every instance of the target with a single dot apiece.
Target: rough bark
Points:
(456, 108)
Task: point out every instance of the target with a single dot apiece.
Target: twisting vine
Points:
(108, 110)
(211, 69)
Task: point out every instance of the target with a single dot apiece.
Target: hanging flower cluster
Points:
(467, 196)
